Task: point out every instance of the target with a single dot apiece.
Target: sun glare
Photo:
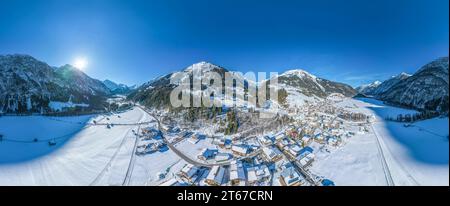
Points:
(80, 63)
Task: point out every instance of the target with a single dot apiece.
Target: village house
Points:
(222, 157)
(207, 154)
(147, 148)
(266, 140)
(305, 157)
(292, 133)
(272, 154)
(215, 176)
(332, 140)
(293, 150)
(279, 136)
(189, 172)
(319, 138)
(290, 177)
(283, 143)
(237, 174)
(306, 140)
(240, 150)
(225, 143)
(195, 138)
(251, 176)
(262, 173)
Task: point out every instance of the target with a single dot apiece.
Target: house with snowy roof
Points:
(251, 176)
(327, 182)
(262, 173)
(226, 143)
(265, 140)
(240, 150)
(237, 174)
(332, 140)
(279, 136)
(195, 138)
(207, 154)
(221, 157)
(271, 154)
(306, 140)
(215, 176)
(190, 172)
(293, 150)
(290, 177)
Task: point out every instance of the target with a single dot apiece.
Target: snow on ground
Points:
(415, 155)
(193, 150)
(89, 155)
(24, 130)
(378, 107)
(355, 163)
(295, 98)
(147, 167)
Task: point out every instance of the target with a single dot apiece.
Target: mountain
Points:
(80, 82)
(427, 89)
(156, 93)
(378, 87)
(386, 85)
(30, 85)
(310, 85)
(116, 88)
(368, 89)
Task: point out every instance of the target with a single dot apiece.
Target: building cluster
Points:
(150, 141)
(281, 158)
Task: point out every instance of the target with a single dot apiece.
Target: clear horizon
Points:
(132, 42)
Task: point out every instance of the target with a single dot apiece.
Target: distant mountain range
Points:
(378, 87)
(427, 89)
(311, 85)
(155, 93)
(30, 85)
(116, 88)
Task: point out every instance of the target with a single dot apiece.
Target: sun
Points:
(80, 63)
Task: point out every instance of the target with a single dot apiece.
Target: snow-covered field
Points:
(415, 155)
(86, 155)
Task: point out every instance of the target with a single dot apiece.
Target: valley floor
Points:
(390, 154)
(88, 153)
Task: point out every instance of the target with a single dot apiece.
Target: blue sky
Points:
(130, 41)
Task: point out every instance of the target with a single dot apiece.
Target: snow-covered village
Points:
(336, 140)
(224, 93)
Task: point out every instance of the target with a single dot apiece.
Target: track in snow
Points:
(130, 169)
(109, 165)
(387, 172)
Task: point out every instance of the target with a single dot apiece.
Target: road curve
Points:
(181, 154)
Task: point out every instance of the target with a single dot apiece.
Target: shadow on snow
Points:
(426, 141)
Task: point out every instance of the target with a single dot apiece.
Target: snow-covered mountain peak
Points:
(376, 83)
(299, 73)
(440, 63)
(28, 85)
(201, 66)
(368, 88)
(401, 75)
